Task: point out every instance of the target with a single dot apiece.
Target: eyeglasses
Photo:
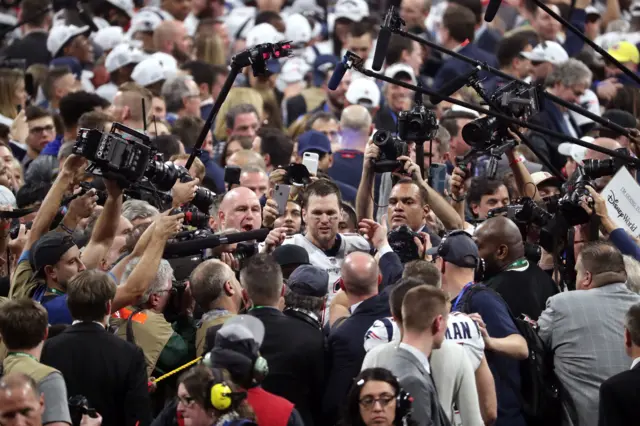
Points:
(37, 130)
(185, 400)
(368, 402)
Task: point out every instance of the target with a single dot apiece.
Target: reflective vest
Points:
(28, 366)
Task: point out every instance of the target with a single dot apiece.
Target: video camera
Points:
(417, 125)
(78, 407)
(391, 147)
(402, 243)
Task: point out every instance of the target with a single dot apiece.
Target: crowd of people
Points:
(380, 295)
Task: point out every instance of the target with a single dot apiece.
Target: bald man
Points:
(522, 284)
(240, 210)
(127, 105)
(20, 402)
(359, 281)
(171, 37)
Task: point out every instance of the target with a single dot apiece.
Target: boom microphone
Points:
(382, 45)
(338, 73)
(186, 248)
(453, 86)
(492, 9)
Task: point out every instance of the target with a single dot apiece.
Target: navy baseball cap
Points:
(68, 61)
(313, 141)
(309, 280)
(457, 248)
(49, 249)
(321, 67)
(290, 254)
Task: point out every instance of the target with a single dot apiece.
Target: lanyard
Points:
(55, 291)
(455, 302)
(23, 354)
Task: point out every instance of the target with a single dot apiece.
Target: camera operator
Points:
(306, 294)
(326, 247)
(219, 294)
(523, 285)
(409, 202)
(145, 324)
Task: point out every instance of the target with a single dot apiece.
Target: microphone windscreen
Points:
(337, 75)
(382, 45)
(492, 9)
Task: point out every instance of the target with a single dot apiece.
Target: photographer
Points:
(166, 346)
(409, 202)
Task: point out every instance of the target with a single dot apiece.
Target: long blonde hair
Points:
(9, 80)
(209, 49)
(237, 96)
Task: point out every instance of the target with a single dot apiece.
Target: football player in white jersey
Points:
(326, 247)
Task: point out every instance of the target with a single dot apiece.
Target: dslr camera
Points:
(402, 243)
(391, 147)
(78, 407)
(417, 125)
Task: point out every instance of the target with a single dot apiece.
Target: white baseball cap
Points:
(122, 55)
(148, 72)
(592, 10)
(395, 69)
(147, 19)
(576, 152)
(353, 10)
(263, 33)
(124, 5)
(108, 38)
(168, 63)
(363, 89)
(547, 51)
(298, 29)
(61, 35)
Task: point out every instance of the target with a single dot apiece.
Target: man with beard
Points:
(326, 247)
(523, 285)
(292, 219)
(171, 37)
(457, 258)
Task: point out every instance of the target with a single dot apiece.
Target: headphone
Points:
(259, 367)
(221, 397)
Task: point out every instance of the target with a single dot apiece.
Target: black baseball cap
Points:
(309, 280)
(457, 248)
(49, 249)
(619, 117)
(290, 254)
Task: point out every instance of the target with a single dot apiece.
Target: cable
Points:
(171, 373)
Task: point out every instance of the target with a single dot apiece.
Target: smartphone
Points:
(232, 175)
(310, 161)
(438, 177)
(281, 196)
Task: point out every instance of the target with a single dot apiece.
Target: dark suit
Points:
(489, 40)
(109, 371)
(619, 397)
(346, 351)
(294, 350)
(453, 67)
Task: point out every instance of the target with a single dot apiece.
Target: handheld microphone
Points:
(453, 86)
(338, 74)
(492, 9)
(195, 246)
(382, 45)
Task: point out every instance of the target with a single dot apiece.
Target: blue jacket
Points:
(488, 40)
(453, 67)
(213, 171)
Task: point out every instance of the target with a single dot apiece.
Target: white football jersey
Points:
(460, 329)
(332, 264)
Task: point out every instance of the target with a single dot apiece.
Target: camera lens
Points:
(203, 199)
(478, 133)
(381, 137)
(162, 175)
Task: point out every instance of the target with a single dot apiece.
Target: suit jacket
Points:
(346, 351)
(415, 379)
(452, 67)
(110, 372)
(619, 396)
(584, 329)
(295, 352)
(489, 40)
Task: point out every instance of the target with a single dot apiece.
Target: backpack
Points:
(540, 389)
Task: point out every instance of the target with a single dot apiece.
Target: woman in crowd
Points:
(206, 397)
(13, 94)
(377, 399)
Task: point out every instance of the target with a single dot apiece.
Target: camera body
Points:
(391, 147)
(297, 174)
(78, 407)
(417, 125)
(401, 241)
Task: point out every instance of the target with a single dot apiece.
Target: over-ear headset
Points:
(221, 396)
